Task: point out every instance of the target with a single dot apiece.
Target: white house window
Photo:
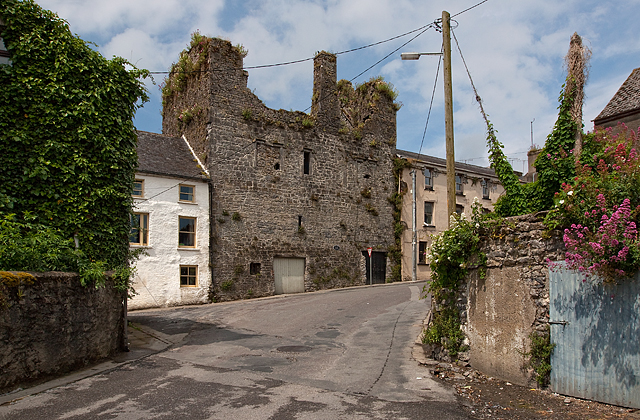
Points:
(428, 213)
(139, 233)
(188, 275)
(428, 179)
(187, 232)
(187, 193)
(138, 188)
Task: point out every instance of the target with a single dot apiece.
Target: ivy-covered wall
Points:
(66, 133)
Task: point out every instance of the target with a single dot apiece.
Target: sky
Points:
(514, 51)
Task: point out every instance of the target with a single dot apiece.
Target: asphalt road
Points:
(339, 354)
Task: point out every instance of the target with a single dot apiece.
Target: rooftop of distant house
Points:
(626, 100)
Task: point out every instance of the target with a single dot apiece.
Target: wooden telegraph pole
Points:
(448, 116)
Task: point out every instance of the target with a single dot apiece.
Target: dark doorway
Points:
(379, 267)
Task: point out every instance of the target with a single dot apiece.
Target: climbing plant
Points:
(67, 136)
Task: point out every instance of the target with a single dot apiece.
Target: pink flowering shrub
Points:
(600, 209)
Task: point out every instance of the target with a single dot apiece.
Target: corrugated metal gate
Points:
(596, 329)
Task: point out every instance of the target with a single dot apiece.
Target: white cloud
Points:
(514, 51)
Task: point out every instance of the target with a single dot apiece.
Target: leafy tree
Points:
(66, 134)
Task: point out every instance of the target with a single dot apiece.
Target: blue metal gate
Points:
(596, 329)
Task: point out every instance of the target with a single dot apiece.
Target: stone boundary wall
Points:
(512, 300)
(50, 324)
(499, 310)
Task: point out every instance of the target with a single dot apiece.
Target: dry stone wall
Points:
(290, 184)
(50, 324)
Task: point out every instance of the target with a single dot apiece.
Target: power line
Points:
(286, 63)
(433, 93)
(472, 7)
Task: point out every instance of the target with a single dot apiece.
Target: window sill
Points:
(180, 248)
(429, 226)
(423, 263)
(188, 287)
(460, 194)
(486, 198)
(187, 202)
(428, 188)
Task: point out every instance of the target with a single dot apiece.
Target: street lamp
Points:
(448, 123)
(448, 109)
(415, 55)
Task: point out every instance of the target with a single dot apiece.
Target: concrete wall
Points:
(255, 156)
(157, 280)
(512, 301)
(50, 324)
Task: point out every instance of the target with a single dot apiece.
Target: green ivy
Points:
(555, 164)
(67, 136)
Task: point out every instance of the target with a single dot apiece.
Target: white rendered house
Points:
(171, 222)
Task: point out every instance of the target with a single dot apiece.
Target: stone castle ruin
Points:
(296, 198)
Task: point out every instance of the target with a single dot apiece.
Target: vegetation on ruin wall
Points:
(395, 251)
(69, 148)
(450, 257)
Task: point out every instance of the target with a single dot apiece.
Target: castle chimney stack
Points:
(324, 103)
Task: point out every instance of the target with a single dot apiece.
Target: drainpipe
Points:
(414, 233)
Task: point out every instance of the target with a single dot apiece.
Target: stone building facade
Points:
(431, 203)
(296, 198)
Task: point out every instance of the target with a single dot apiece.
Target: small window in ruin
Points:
(367, 176)
(276, 166)
(307, 162)
(254, 268)
(299, 222)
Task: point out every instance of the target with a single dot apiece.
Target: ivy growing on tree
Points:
(66, 133)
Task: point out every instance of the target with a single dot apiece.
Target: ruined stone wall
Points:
(502, 307)
(512, 300)
(263, 204)
(51, 324)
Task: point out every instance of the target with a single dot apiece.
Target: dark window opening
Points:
(459, 209)
(422, 253)
(254, 268)
(276, 166)
(307, 162)
(299, 222)
(367, 176)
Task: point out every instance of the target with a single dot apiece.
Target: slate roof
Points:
(159, 154)
(439, 162)
(625, 101)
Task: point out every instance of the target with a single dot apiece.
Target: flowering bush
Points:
(600, 208)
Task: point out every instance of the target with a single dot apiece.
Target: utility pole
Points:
(414, 227)
(448, 116)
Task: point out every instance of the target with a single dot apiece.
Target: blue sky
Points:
(514, 50)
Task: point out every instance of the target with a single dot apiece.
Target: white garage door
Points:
(289, 275)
